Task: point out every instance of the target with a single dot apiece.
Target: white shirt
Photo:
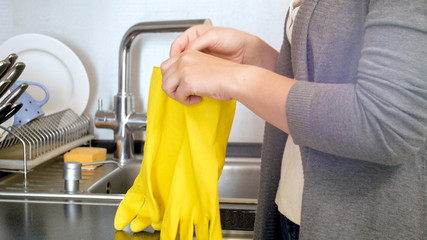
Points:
(293, 10)
(291, 184)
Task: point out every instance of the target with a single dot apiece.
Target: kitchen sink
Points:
(239, 180)
(106, 185)
(118, 181)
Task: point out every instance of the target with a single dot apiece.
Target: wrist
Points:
(244, 82)
(263, 92)
(261, 54)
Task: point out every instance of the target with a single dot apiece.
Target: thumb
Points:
(188, 38)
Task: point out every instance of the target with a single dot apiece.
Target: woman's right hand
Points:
(224, 64)
(226, 43)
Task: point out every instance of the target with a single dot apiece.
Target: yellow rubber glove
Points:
(195, 139)
(145, 201)
(193, 194)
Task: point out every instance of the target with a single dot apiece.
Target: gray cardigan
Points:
(359, 115)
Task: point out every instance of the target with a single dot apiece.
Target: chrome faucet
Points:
(73, 174)
(124, 120)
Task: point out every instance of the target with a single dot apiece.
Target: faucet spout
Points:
(124, 120)
(143, 28)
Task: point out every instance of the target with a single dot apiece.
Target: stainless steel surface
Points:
(4, 84)
(4, 110)
(102, 162)
(14, 72)
(11, 75)
(13, 109)
(70, 220)
(123, 120)
(12, 58)
(8, 105)
(47, 180)
(89, 214)
(4, 65)
(239, 180)
(15, 94)
(72, 175)
(238, 184)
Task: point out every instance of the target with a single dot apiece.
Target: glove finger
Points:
(127, 210)
(215, 228)
(177, 195)
(186, 228)
(169, 228)
(202, 229)
(140, 223)
(170, 223)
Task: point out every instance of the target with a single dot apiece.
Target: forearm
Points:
(263, 92)
(262, 54)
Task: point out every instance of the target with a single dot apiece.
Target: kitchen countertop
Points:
(20, 219)
(70, 219)
(28, 216)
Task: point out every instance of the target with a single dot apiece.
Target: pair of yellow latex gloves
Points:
(176, 190)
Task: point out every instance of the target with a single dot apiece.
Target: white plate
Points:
(51, 63)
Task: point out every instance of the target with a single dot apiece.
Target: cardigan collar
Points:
(299, 39)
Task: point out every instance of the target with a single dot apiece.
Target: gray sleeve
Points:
(383, 116)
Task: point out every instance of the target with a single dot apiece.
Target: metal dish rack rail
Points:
(24, 147)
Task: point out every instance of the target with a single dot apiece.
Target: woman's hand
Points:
(192, 74)
(226, 43)
(207, 61)
(227, 64)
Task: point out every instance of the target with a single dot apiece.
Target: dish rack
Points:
(24, 147)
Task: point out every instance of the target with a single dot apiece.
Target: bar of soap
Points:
(86, 155)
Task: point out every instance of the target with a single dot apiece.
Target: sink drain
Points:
(108, 188)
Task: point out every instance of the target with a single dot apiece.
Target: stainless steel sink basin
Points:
(118, 181)
(239, 179)
(107, 184)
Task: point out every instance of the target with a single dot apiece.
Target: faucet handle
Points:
(105, 119)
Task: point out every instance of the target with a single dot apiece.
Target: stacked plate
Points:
(54, 65)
